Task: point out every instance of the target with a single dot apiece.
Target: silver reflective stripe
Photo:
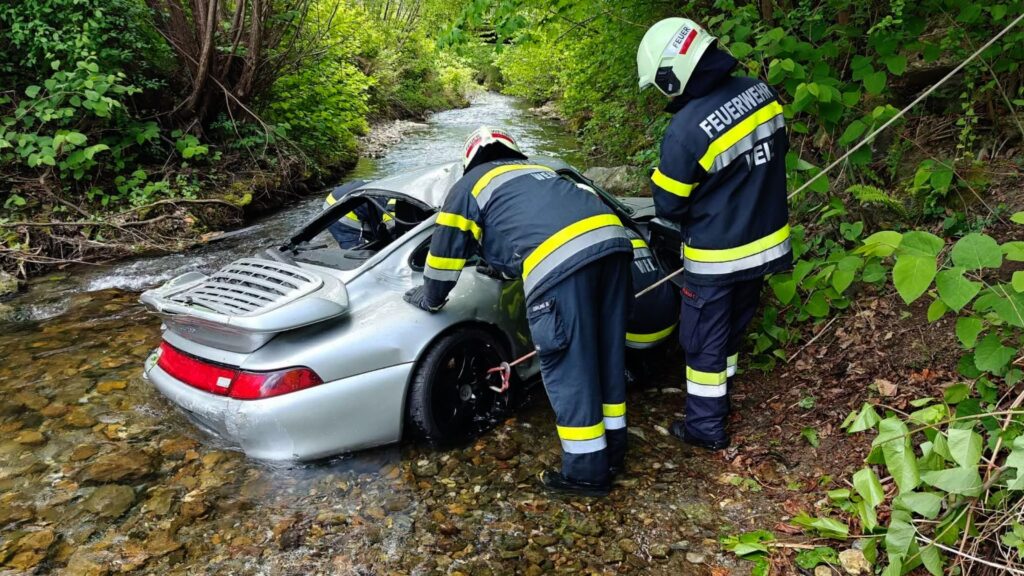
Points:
(761, 258)
(705, 390)
(566, 251)
(585, 446)
(746, 144)
(730, 365)
(639, 253)
(441, 275)
(350, 223)
(730, 371)
(485, 195)
(614, 422)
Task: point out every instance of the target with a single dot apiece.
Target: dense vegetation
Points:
(116, 113)
(944, 483)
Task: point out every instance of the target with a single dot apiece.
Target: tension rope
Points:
(506, 367)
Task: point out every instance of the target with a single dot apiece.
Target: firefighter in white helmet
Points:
(722, 178)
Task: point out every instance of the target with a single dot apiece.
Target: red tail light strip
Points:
(227, 381)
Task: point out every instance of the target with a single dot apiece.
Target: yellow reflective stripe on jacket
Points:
(638, 243)
(671, 186)
(352, 216)
(653, 337)
(440, 263)
(330, 199)
(565, 235)
(737, 132)
(494, 173)
(460, 223)
(705, 378)
(581, 432)
(613, 410)
(727, 254)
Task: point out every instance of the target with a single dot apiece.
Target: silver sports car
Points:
(308, 350)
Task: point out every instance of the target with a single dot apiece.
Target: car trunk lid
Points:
(245, 304)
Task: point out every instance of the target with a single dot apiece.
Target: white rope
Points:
(917, 100)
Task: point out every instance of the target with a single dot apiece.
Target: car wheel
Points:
(451, 400)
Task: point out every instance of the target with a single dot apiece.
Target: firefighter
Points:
(722, 178)
(362, 225)
(653, 317)
(573, 255)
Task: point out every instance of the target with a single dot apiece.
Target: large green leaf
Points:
(901, 533)
(925, 504)
(920, 243)
(965, 446)
(991, 356)
(784, 287)
(912, 275)
(955, 289)
(967, 330)
(1014, 250)
(1017, 217)
(958, 480)
(975, 251)
(1017, 282)
(933, 561)
(894, 440)
(866, 419)
(865, 481)
(881, 244)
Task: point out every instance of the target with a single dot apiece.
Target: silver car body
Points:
(351, 327)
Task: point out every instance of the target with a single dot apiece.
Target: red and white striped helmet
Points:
(485, 136)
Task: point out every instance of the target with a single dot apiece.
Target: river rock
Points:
(83, 563)
(79, 418)
(659, 550)
(31, 549)
(30, 438)
(854, 562)
(619, 180)
(108, 386)
(54, 410)
(695, 558)
(822, 570)
(119, 466)
(30, 400)
(512, 542)
(110, 501)
(548, 109)
(426, 469)
(6, 312)
(8, 284)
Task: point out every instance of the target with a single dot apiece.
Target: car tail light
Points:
(256, 385)
(194, 372)
(227, 381)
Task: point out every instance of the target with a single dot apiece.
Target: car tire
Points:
(450, 400)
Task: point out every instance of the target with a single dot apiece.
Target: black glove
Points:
(490, 272)
(418, 297)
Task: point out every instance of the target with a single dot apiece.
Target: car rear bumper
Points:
(358, 412)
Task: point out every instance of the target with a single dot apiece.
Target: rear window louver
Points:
(249, 286)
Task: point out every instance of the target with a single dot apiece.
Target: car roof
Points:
(430, 185)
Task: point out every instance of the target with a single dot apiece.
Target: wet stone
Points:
(118, 466)
(110, 501)
(79, 418)
(426, 469)
(84, 563)
(30, 400)
(396, 503)
(680, 546)
(613, 555)
(55, 410)
(108, 386)
(31, 549)
(659, 550)
(512, 543)
(628, 546)
(30, 438)
(83, 452)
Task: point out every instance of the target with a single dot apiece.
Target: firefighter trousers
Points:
(712, 322)
(579, 329)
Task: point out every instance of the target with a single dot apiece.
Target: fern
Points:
(873, 195)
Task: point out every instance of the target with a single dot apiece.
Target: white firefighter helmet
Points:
(485, 136)
(669, 53)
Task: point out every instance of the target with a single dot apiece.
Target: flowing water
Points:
(100, 475)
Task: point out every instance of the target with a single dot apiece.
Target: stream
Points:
(100, 475)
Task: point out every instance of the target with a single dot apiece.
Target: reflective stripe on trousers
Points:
(729, 260)
(730, 365)
(614, 416)
(706, 384)
(583, 439)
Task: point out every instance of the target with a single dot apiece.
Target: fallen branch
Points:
(812, 340)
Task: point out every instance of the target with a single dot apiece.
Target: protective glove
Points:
(418, 297)
(490, 272)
